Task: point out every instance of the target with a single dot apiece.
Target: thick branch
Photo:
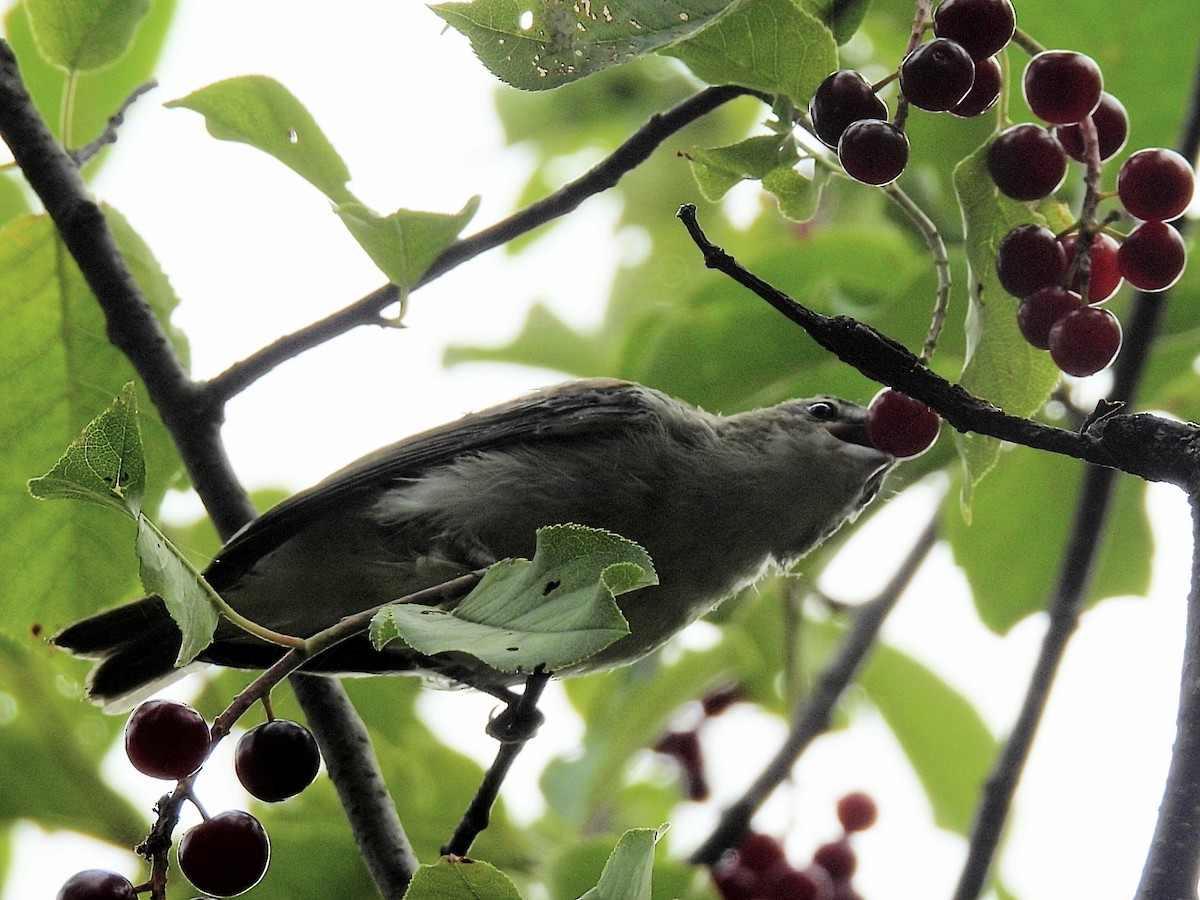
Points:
(132, 326)
(1173, 865)
(193, 417)
(350, 759)
(811, 718)
(367, 311)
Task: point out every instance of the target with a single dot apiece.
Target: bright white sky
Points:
(254, 252)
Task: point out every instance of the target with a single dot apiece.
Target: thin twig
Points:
(941, 266)
(478, 813)
(367, 311)
(109, 134)
(812, 718)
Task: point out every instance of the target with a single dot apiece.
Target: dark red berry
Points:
(276, 760)
(857, 811)
(96, 884)
(1112, 130)
(165, 739)
(684, 747)
(899, 425)
(1040, 310)
(873, 151)
(734, 882)
(1156, 185)
(782, 882)
(1085, 341)
(984, 92)
(721, 699)
(836, 858)
(842, 98)
(758, 852)
(1062, 86)
(1152, 257)
(937, 75)
(1029, 258)
(1104, 277)
(1026, 162)
(225, 855)
(982, 26)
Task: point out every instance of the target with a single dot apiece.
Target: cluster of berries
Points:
(1059, 310)
(758, 869)
(955, 72)
(226, 854)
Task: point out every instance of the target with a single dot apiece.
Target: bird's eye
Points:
(823, 411)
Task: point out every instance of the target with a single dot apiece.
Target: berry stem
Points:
(1027, 43)
(921, 17)
(884, 82)
(941, 265)
(1091, 197)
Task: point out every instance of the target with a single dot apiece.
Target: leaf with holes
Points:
(553, 610)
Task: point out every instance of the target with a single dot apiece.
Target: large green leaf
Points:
(64, 560)
(773, 45)
(261, 112)
(945, 739)
(453, 877)
(52, 749)
(1001, 365)
(627, 874)
(541, 45)
(1034, 494)
(85, 34)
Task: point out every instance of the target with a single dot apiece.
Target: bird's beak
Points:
(851, 433)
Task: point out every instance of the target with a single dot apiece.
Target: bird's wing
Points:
(585, 407)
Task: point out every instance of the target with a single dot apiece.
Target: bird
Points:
(717, 501)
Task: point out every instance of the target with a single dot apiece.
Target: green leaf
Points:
(564, 42)
(85, 34)
(718, 169)
(189, 599)
(456, 878)
(405, 243)
(65, 560)
(261, 112)
(772, 45)
(1001, 365)
(843, 17)
(798, 197)
(104, 464)
(1034, 493)
(554, 610)
(945, 739)
(627, 873)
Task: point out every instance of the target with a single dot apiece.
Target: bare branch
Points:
(604, 175)
(811, 719)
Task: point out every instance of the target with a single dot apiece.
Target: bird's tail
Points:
(136, 645)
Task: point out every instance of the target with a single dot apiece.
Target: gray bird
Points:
(716, 501)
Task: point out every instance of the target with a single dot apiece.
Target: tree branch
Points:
(1148, 446)
(1079, 557)
(604, 175)
(811, 718)
(1173, 865)
(192, 415)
